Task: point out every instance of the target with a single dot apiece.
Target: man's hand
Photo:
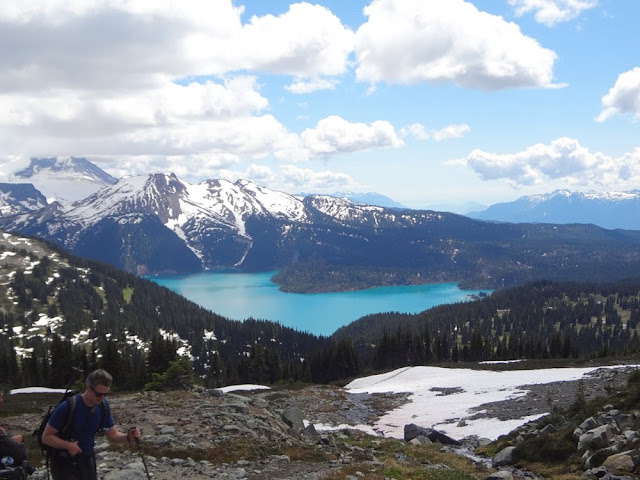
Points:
(133, 434)
(73, 449)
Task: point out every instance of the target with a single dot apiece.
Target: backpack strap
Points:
(71, 408)
(105, 414)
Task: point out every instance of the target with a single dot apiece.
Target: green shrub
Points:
(178, 376)
(553, 448)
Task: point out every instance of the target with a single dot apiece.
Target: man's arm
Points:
(113, 435)
(51, 438)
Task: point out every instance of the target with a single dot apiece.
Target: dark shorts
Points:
(77, 468)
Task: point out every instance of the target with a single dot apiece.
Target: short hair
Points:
(99, 377)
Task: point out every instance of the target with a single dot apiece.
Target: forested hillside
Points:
(541, 320)
(59, 311)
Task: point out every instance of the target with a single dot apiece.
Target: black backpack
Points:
(12, 473)
(70, 398)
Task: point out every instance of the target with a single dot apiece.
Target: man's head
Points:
(99, 384)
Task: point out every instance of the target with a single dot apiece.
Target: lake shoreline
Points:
(239, 296)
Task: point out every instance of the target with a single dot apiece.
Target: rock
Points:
(503, 457)
(548, 429)
(595, 438)
(500, 475)
(292, 416)
(622, 462)
(599, 456)
(412, 431)
(588, 424)
(594, 473)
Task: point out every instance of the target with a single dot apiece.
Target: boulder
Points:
(595, 438)
(412, 431)
(599, 456)
(622, 462)
(503, 457)
(500, 475)
(292, 416)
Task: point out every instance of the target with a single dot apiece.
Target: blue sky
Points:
(430, 102)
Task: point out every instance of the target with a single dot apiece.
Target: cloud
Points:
(140, 44)
(623, 97)
(550, 12)
(452, 131)
(210, 120)
(563, 160)
(307, 41)
(418, 131)
(293, 179)
(417, 41)
(298, 179)
(334, 135)
(300, 86)
(157, 82)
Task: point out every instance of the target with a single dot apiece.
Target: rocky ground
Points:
(204, 434)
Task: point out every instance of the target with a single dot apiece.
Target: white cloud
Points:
(334, 135)
(452, 131)
(292, 179)
(140, 44)
(415, 130)
(298, 179)
(550, 12)
(416, 41)
(420, 132)
(306, 41)
(623, 97)
(215, 121)
(300, 85)
(157, 83)
(564, 160)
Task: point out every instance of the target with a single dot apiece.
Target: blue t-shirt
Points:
(85, 424)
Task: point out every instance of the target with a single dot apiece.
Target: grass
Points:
(127, 293)
(229, 451)
(401, 460)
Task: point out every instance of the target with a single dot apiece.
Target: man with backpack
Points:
(74, 458)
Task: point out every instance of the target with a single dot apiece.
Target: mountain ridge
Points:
(611, 210)
(159, 223)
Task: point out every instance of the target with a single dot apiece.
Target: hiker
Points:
(75, 459)
(12, 445)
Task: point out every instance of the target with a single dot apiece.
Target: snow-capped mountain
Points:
(369, 198)
(204, 225)
(159, 223)
(608, 210)
(18, 198)
(61, 179)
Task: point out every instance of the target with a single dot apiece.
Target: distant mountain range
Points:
(607, 210)
(159, 223)
(368, 198)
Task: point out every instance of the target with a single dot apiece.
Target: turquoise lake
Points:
(239, 296)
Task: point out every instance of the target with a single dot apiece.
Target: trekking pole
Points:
(75, 372)
(144, 462)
